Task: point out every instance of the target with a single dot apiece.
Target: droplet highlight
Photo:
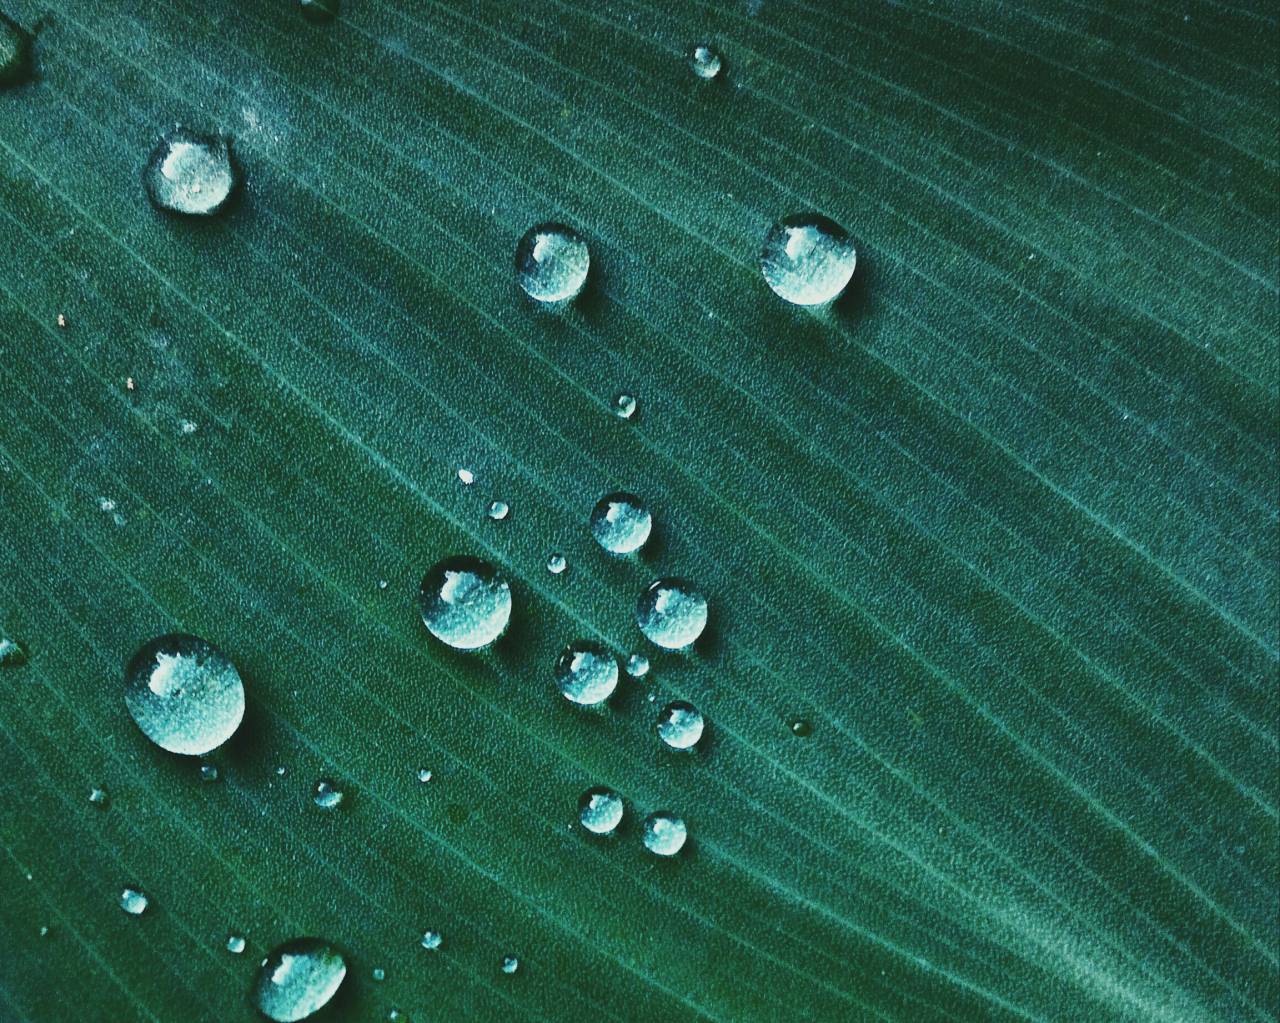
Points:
(808, 259)
(184, 694)
(800, 728)
(552, 262)
(664, 833)
(586, 672)
(621, 523)
(672, 613)
(190, 173)
(465, 602)
(99, 797)
(298, 979)
(680, 725)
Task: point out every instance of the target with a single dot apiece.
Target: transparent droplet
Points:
(672, 613)
(424, 775)
(600, 810)
(556, 564)
(637, 666)
(133, 901)
(465, 602)
(664, 833)
(378, 974)
(12, 654)
(298, 978)
(466, 476)
(680, 725)
(432, 940)
(498, 510)
(552, 263)
(99, 797)
(624, 406)
(705, 61)
(15, 53)
(586, 672)
(235, 944)
(208, 772)
(190, 173)
(621, 523)
(319, 12)
(800, 727)
(327, 795)
(510, 964)
(184, 694)
(807, 259)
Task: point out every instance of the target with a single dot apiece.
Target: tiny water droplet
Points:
(664, 833)
(319, 12)
(382, 584)
(510, 964)
(556, 564)
(106, 504)
(705, 61)
(466, 476)
(208, 772)
(637, 666)
(586, 672)
(672, 613)
(15, 53)
(378, 974)
(12, 654)
(624, 405)
(235, 944)
(552, 262)
(44, 932)
(298, 978)
(498, 510)
(600, 810)
(184, 694)
(801, 728)
(807, 259)
(99, 798)
(281, 770)
(424, 775)
(188, 427)
(432, 940)
(190, 173)
(680, 725)
(133, 901)
(621, 523)
(327, 795)
(465, 602)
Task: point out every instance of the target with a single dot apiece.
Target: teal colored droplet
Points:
(552, 262)
(637, 666)
(319, 12)
(327, 795)
(664, 833)
(808, 259)
(298, 979)
(190, 173)
(621, 523)
(556, 563)
(800, 727)
(498, 510)
(12, 654)
(208, 772)
(625, 405)
(15, 53)
(432, 940)
(510, 964)
(378, 974)
(672, 613)
(680, 725)
(184, 694)
(134, 901)
(586, 672)
(705, 61)
(600, 810)
(235, 943)
(465, 602)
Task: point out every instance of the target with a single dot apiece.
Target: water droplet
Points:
(15, 53)
(467, 477)
(432, 940)
(801, 728)
(586, 672)
(319, 12)
(680, 725)
(465, 602)
(378, 974)
(327, 795)
(664, 833)
(208, 772)
(235, 944)
(807, 259)
(621, 523)
(510, 964)
(552, 263)
(99, 798)
(280, 771)
(556, 564)
(637, 666)
(298, 978)
(705, 61)
(190, 173)
(498, 510)
(672, 613)
(133, 901)
(184, 694)
(600, 810)
(624, 406)
(12, 654)
(187, 427)
(424, 775)
(44, 932)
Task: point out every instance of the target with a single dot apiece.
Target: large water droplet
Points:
(680, 725)
(705, 61)
(586, 672)
(672, 613)
(510, 964)
(600, 810)
(621, 523)
(298, 978)
(465, 602)
(552, 263)
(15, 53)
(432, 940)
(664, 833)
(808, 259)
(133, 901)
(319, 12)
(12, 654)
(327, 795)
(184, 694)
(190, 173)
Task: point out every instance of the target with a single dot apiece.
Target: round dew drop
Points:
(705, 61)
(190, 173)
(621, 523)
(465, 602)
(133, 901)
(556, 563)
(298, 979)
(672, 613)
(498, 510)
(586, 672)
(664, 833)
(184, 694)
(235, 944)
(637, 666)
(552, 262)
(680, 725)
(807, 259)
(600, 810)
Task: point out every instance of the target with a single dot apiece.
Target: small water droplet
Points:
(586, 672)
(624, 405)
(637, 666)
(44, 932)
(382, 584)
(664, 833)
(672, 613)
(184, 694)
(208, 772)
(281, 770)
(600, 810)
(319, 12)
(15, 53)
(133, 901)
(510, 964)
(12, 654)
(552, 262)
(190, 173)
(235, 944)
(705, 61)
(432, 940)
(105, 504)
(465, 602)
(466, 476)
(187, 426)
(680, 725)
(99, 798)
(807, 259)
(621, 523)
(801, 728)
(424, 775)
(556, 564)
(298, 978)
(498, 510)
(378, 974)
(327, 795)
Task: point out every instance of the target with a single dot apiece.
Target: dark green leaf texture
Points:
(1002, 525)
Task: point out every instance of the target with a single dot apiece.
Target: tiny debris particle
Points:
(129, 384)
(62, 320)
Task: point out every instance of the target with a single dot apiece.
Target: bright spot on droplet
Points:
(235, 944)
(624, 405)
(498, 510)
(637, 666)
(556, 563)
(432, 940)
(424, 775)
(705, 61)
(327, 795)
(466, 476)
(510, 964)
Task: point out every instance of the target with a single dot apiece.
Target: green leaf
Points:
(1000, 526)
